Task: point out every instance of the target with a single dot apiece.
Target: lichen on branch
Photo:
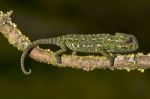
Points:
(20, 41)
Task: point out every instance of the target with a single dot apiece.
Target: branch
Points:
(17, 39)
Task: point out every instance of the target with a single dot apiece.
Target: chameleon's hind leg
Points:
(109, 56)
(59, 52)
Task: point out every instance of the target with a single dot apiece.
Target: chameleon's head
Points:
(125, 43)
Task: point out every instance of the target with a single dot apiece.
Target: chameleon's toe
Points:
(111, 59)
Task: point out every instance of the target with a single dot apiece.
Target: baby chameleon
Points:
(106, 44)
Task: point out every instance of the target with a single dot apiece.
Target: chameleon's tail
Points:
(31, 46)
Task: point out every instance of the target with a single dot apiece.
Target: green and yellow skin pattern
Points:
(106, 44)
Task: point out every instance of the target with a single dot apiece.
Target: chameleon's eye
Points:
(130, 40)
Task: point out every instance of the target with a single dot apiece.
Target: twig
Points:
(20, 41)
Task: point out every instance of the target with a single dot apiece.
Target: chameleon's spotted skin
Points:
(106, 44)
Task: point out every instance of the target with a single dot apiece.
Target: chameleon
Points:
(106, 44)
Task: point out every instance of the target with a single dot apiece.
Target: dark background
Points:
(43, 18)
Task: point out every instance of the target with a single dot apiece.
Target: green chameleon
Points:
(106, 44)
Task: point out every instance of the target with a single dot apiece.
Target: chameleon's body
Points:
(106, 44)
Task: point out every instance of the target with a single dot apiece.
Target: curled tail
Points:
(31, 46)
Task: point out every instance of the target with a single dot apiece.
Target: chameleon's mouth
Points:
(124, 43)
(130, 46)
(133, 46)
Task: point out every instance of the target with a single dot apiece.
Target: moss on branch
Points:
(20, 41)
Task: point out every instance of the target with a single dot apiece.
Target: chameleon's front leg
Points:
(59, 52)
(112, 59)
(109, 56)
(73, 53)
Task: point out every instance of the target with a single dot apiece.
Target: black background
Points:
(43, 18)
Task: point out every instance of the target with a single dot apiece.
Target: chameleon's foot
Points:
(111, 59)
(58, 59)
